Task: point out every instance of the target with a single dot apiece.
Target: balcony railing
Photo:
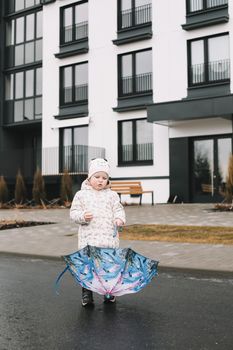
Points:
(52, 160)
(81, 93)
(75, 32)
(136, 84)
(144, 152)
(74, 158)
(201, 5)
(135, 16)
(210, 72)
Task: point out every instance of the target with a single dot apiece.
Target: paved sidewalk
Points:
(60, 238)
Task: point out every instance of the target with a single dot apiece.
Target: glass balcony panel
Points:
(68, 34)
(38, 108)
(39, 52)
(81, 92)
(29, 52)
(81, 30)
(19, 55)
(29, 109)
(18, 111)
(67, 94)
(19, 5)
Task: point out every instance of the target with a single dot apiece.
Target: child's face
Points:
(99, 180)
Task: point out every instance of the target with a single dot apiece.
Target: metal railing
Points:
(51, 160)
(144, 152)
(75, 32)
(135, 16)
(136, 84)
(75, 159)
(210, 72)
(80, 91)
(199, 5)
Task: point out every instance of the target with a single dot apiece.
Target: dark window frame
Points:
(133, 162)
(62, 10)
(61, 98)
(24, 42)
(24, 98)
(205, 7)
(133, 14)
(72, 146)
(134, 75)
(11, 6)
(206, 61)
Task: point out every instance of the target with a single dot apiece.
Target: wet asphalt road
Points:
(178, 310)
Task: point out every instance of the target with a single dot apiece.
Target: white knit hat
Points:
(98, 164)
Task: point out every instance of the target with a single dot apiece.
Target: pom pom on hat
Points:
(98, 164)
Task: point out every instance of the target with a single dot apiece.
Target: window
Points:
(133, 13)
(74, 149)
(135, 73)
(74, 84)
(202, 5)
(24, 39)
(135, 142)
(209, 60)
(19, 5)
(74, 23)
(23, 90)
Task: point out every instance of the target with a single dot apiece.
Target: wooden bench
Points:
(133, 188)
(206, 188)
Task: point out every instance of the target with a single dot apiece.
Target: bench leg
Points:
(140, 200)
(152, 198)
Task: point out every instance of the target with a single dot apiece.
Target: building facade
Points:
(145, 84)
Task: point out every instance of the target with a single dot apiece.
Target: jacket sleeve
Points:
(76, 211)
(118, 209)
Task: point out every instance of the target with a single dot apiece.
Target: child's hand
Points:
(118, 222)
(88, 216)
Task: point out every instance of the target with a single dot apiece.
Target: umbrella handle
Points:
(58, 279)
(116, 230)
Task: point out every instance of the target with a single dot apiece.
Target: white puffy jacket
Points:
(105, 207)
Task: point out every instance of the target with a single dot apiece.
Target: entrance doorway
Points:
(209, 167)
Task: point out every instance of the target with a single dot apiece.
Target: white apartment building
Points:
(145, 84)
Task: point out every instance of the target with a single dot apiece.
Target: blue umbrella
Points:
(109, 271)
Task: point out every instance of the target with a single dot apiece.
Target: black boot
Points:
(109, 299)
(87, 297)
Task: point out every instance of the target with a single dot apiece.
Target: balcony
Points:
(52, 161)
(134, 24)
(202, 5)
(135, 16)
(80, 94)
(140, 153)
(74, 158)
(210, 72)
(75, 32)
(73, 40)
(136, 84)
(203, 13)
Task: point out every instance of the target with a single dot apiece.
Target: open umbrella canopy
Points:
(109, 271)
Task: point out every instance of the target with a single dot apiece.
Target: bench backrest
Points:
(132, 187)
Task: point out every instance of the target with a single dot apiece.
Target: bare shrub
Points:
(20, 189)
(3, 190)
(38, 190)
(66, 192)
(229, 181)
